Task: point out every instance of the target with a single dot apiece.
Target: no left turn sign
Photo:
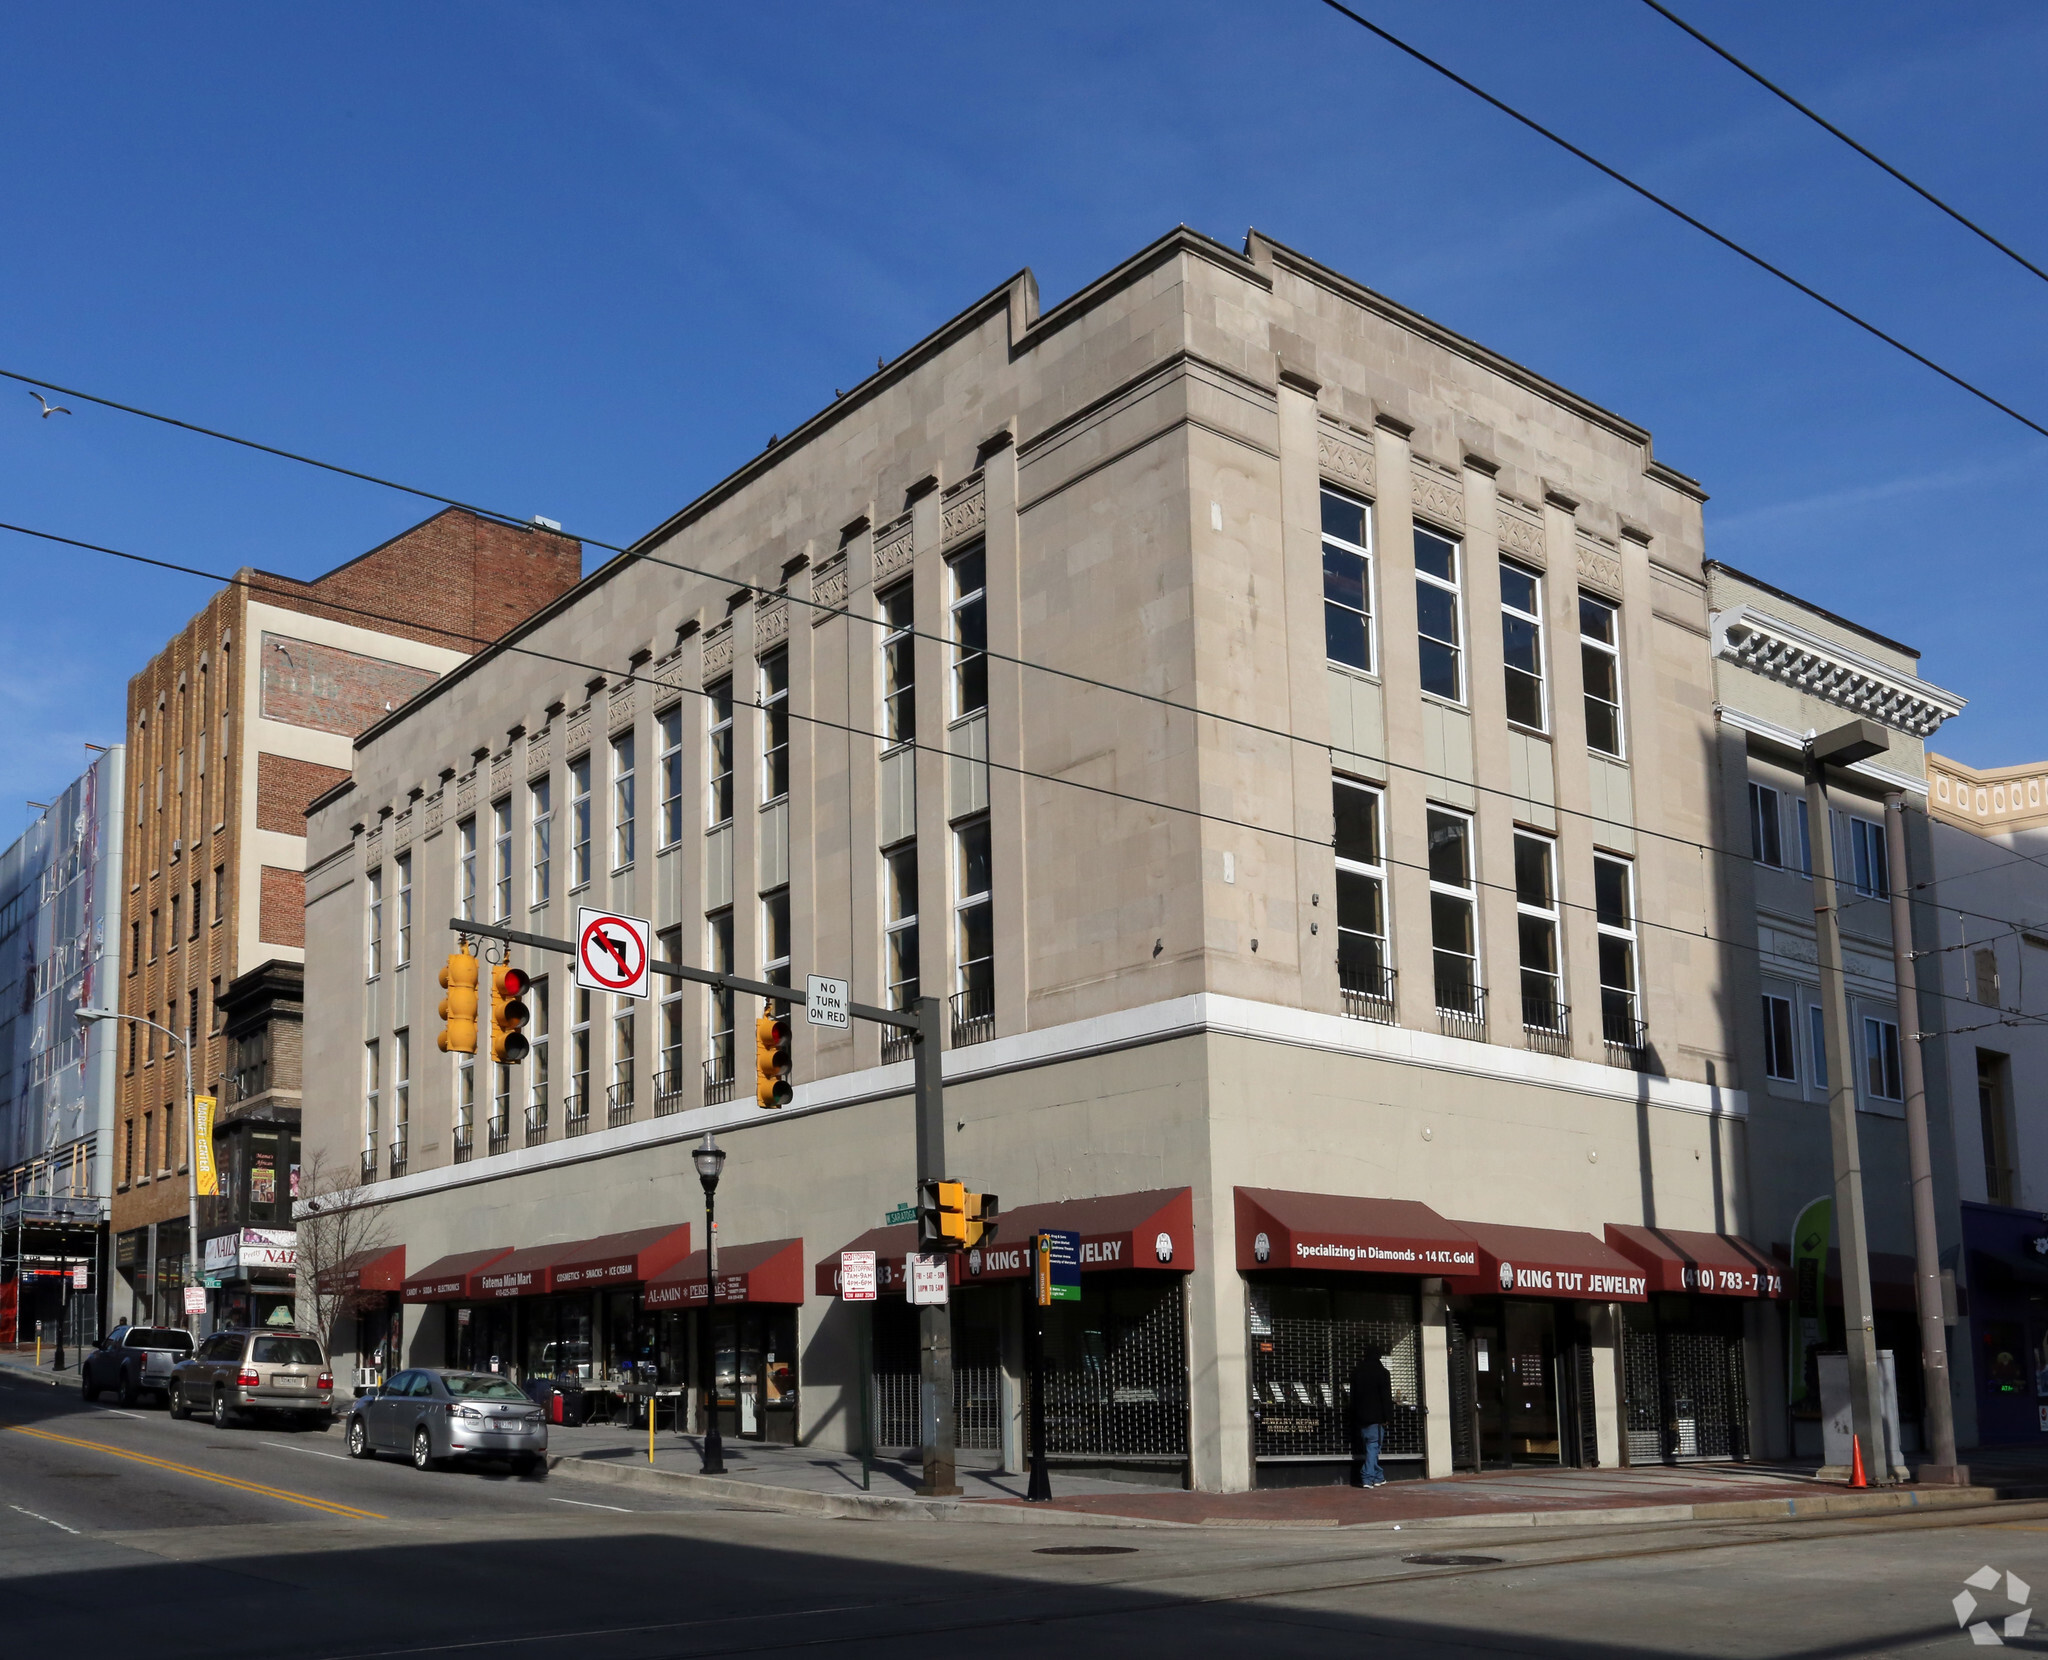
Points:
(611, 952)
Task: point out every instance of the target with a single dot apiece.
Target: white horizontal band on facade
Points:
(1199, 1014)
(1822, 668)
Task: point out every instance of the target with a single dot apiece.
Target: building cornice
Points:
(1783, 736)
(1783, 651)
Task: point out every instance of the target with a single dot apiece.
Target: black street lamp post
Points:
(710, 1159)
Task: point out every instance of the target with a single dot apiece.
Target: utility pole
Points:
(1941, 1417)
(1857, 741)
(936, 1430)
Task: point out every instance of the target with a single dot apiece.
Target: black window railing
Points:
(537, 1117)
(668, 1092)
(575, 1114)
(397, 1164)
(501, 1136)
(1460, 1005)
(369, 1164)
(1546, 1023)
(895, 1045)
(464, 1144)
(1620, 1022)
(974, 1015)
(717, 1080)
(618, 1104)
(1368, 990)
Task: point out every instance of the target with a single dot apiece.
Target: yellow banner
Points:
(202, 1146)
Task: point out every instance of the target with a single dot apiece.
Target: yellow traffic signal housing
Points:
(949, 1201)
(771, 1061)
(509, 1015)
(981, 1212)
(458, 1008)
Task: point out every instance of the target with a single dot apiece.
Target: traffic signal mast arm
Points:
(792, 995)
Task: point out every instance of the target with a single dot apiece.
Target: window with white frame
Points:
(540, 801)
(1347, 580)
(623, 1035)
(579, 823)
(375, 922)
(1781, 1058)
(1439, 627)
(1521, 631)
(775, 936)
(1614, 918)
(1867, 852)
(501, 1100)
(973, 917)
(719, 950)
(670, 943)
(899, 665)
(1766, 835)
(501, 859)
(1600, 669)
(669, 726)
(1536, 925)
(1361, 890)
(774, 673)
(1804, 836)
(579, 1054)
(1881, 1072)
(403, 865)
(622, 800)
(899, 883)
(401, 1084)
(968, 608)
(465, 870)
(1817, 1030)
(537, 1054)
(718, 752)
(373, 1085)
(1453, 908)
(465, 1100)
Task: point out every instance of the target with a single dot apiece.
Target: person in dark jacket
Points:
(1369, 1403)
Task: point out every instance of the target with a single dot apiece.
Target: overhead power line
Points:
(630, 675)
(1678, 212)
(1862, 150)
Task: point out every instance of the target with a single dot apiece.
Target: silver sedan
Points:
(434, 1416)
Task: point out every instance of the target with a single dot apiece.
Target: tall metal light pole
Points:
(710, 1160)
(1941, 1418)
(1857, 741)
(87, 1017)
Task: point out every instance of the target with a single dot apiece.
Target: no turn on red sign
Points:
(611, 952)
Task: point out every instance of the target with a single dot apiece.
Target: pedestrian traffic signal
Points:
(509, 1014)
(941, 1216)
(771, 1061)
(982, 1209)
(458, 1008)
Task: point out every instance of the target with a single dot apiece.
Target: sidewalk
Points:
(813, 1479)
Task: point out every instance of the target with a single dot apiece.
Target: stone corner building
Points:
(1381, 1001)
(244, 717)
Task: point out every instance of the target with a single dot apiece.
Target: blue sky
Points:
(583, 260)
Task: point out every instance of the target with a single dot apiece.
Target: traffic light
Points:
(982, 1209)
(458, 1008)
(941, 1216)
(509, 1014)
(771, 1061)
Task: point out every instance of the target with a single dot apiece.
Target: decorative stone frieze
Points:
(465, 793)
(1435, 496)
(579, 729)
(771, 622)
(1520, 537)
(620, 705)
(433, 816)
(501, 772)
(963, 510)
(1345, 461)
(828, 589)
(540, 751)
(1600, 570)
(718, 650)
(892, 549)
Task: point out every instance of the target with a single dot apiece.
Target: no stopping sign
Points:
(611, 952)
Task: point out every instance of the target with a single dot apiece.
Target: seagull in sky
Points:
(49, 408)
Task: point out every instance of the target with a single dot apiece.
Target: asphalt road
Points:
(126, 1532)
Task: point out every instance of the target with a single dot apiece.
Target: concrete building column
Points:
(1437, 1400)
(1010, 1381)
(1610, 1402)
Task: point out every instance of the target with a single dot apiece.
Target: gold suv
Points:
(242, 1374)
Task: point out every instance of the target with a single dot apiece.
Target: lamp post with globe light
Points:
(90, 1016)
(710, 1160)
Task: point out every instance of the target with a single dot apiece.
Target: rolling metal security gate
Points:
(1687, 1397)
(1304, 1342)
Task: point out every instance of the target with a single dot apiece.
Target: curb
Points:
(28, 1374)
(879, 1507)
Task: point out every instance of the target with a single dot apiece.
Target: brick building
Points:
(244, 716)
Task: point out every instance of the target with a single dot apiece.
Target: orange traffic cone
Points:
(1856, 1475)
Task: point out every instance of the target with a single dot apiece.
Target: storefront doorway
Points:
(1305, 1341)
(1682, 1369)
(1522, 1384)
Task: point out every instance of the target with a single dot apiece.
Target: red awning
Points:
(1549, 1262)
(621, 1258)
(527, 1272)
(767, 1273)
(1891, 1278)
(1716, 1264)
(445, 1281)
(1153, 1230)
(1364, 1236)
(381, 1268)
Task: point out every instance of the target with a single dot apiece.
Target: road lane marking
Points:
(582, 1505)
(42, 1518)
(116, 1412)
(328, 1506)
(286, 1446)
